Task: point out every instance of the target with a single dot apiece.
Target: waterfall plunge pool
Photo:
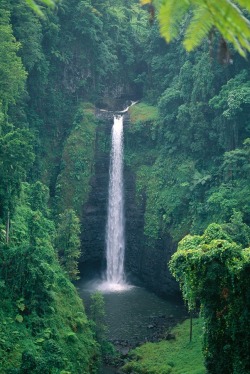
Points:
(134, 314)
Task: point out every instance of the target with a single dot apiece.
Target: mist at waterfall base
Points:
(136, 315)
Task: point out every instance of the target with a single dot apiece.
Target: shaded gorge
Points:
(135, 315)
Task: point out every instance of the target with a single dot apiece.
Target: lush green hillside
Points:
(186, 159)
(77, 162)
(178, 355)
(191, 165)
(44, 328)
(50, 66)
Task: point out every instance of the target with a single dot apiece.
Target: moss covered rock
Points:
(77, 164)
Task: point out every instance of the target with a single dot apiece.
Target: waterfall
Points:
(114, 280)
(115, 241)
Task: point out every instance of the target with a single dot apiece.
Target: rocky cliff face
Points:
(95, 210)
(148, 264)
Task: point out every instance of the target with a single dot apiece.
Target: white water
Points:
(115, 280)
(115, 241)
(115, 229)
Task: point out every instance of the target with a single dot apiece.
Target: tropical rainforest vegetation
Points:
(187, 145)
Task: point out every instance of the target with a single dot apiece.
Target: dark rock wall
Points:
(149, 264)
(95, 210)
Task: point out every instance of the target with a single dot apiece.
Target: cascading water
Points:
(115, 241)
(115, 228)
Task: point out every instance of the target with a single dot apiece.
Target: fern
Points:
(231, 23)
(244, 4)
(198, 29)
(170, 14)
(224, 15)
(37, 8)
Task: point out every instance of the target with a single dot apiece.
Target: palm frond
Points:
(171, 13)
(199, 27)
(37, 8)
(244, 4)
(225, 15)
(231, 23)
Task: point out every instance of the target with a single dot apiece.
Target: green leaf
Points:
(170, 15)
(19, 318)
(37, 8)
(231, 23)
(20, 304)
(245, 4)
(39, 340)
(198, 29)
(224, 15)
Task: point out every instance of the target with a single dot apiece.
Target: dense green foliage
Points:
(214, 270)
(67, 242)
(187, 145)
(170, 356)
(191, 164)
(97, 314)
(50, 68)
(33, 4)
(77, 161)
(44, 328)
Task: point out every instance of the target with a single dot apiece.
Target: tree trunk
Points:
(191, 327)
(8, 228)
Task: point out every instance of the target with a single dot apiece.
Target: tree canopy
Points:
(214, 270)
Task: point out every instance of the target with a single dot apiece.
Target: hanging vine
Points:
(213, 272)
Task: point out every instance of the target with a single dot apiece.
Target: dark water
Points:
(135, 315)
